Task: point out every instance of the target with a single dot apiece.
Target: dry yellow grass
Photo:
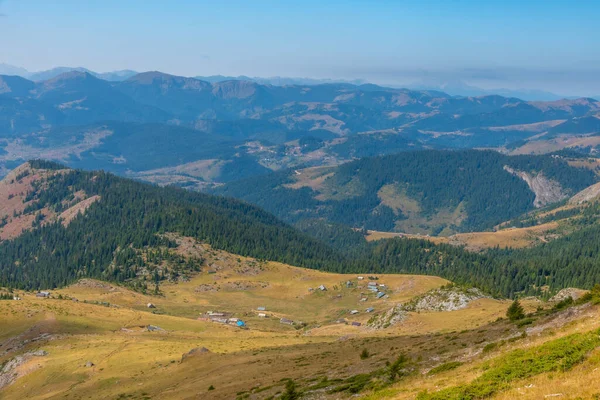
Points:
(129, 360)
(477, 241)
(548, 146)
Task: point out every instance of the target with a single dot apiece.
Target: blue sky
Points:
(541, 44)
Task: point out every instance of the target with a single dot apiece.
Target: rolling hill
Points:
(427, 192)
(267, 125)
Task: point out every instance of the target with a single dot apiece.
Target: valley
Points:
(99, 339)
(197, 134)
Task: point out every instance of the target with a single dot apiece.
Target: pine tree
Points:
(515, 311)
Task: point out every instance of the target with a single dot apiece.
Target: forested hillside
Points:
(124, 237)
(422, 192)
(105, 242)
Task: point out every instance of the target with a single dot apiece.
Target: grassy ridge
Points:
(557, 355)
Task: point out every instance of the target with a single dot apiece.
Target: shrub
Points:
(364, 354)
(557, 355)
(445, 367)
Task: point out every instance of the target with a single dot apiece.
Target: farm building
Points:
(240, 323)
(286, 321)
(322, 288)
(370, 309)
(261, 308)
(360, 278)
(42, 294)
(215, 314)
(341, 321)
(356, 323)
(150, 305)
(219, 320)
(353, 312)
(262, 315)
(380, 295)
(372, 284)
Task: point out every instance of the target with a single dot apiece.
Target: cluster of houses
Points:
(376, 288)
(223, 318)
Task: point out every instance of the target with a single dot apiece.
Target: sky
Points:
(537, 44)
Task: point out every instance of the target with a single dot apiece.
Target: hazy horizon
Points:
(491, 45)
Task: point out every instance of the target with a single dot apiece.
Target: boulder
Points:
(194, 353)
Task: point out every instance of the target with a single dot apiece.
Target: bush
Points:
(563, 304)
(290, 391)
(364, 354)
(445, 367)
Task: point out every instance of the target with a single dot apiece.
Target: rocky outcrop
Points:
(194, 353)
(10, 372)
(546, 190)
(588, 194)
(564, 294)
(392, 317)
(444, 299)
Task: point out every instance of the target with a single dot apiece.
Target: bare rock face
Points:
(546, 190)
(195, 352)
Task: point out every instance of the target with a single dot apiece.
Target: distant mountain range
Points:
(454, 88)
(172, 129)
(115, 76)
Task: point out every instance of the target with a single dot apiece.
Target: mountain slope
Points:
(109, 238)
(417, 192)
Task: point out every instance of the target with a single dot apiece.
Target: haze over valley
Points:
(318, 200)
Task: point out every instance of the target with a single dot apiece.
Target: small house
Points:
(219, 320)
(286, 321)
(356, 323)
(322, 288)
(353, 312)
(380, 295)
(370, 309)
(341, 321)
(42, 294)
(240, 323)
(360, 278)
(150, 305)
(261, 308)
(381, 285)
(372, 284)
(262, 315)
(16, 298)
(233, 320)
(216, 314)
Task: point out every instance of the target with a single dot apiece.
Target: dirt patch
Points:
(68, 215)
(245, 285)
